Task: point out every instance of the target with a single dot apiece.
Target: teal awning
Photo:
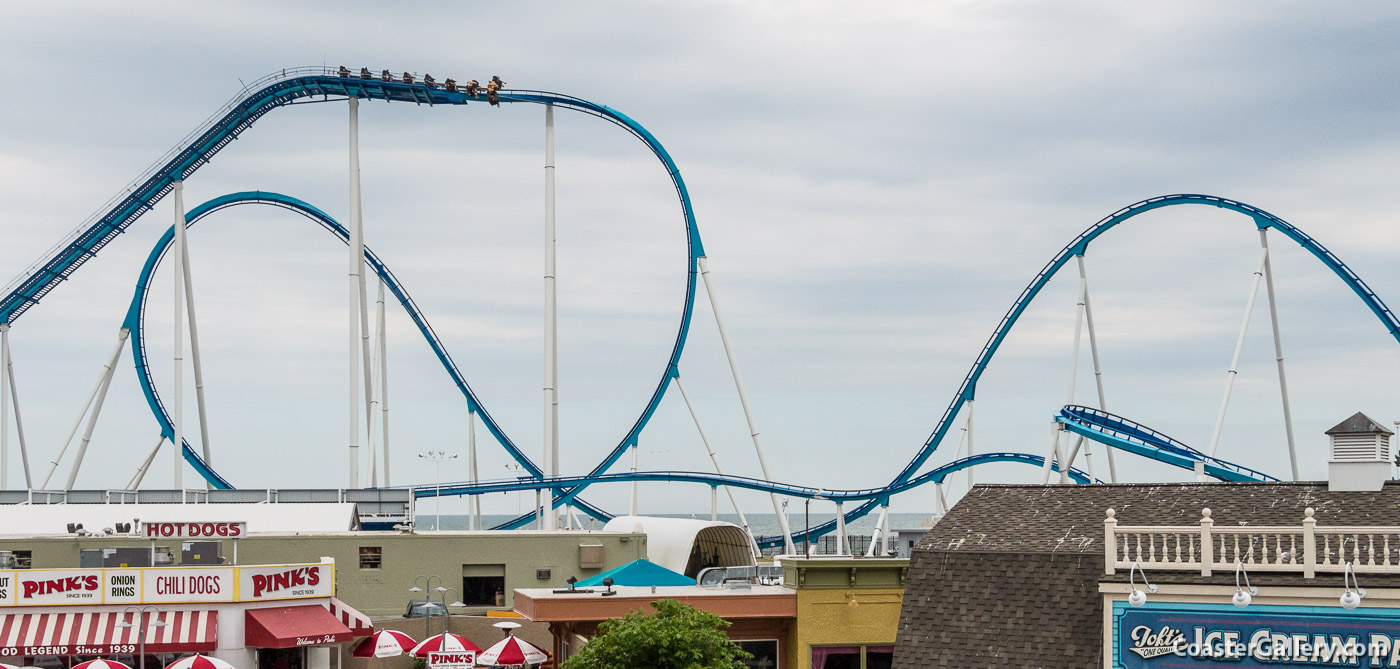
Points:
(639, 573)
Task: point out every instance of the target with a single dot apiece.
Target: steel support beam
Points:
(1278, 351)
(1239, 349)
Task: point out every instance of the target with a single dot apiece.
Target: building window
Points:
(371, 557)
(484, 584)
(852, 657)
(765, 653)
(24, 559)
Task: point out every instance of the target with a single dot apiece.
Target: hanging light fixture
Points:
(1138, 597)
(1351, 598)
(1243, 598)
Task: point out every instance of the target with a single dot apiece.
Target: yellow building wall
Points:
(830, 612)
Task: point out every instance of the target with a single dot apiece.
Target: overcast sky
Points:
(874, 186)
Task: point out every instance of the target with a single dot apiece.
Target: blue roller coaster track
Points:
(319, 84)
(1123, 434)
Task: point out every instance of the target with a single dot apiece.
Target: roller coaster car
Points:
(407, 78)
(344, 71)
(385, 76)
(364, 73)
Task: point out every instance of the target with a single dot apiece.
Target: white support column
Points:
(1053, 453)
(177, 401)
(475, 508)
(840, 530)
(135, 481)
(384, 383)
(1278, 350)
(885, 529)
(92, 423)
(4, 406)
(357, 257)
(1239, 348)
(551, 346)
(714, 503)
(198, 368)
(1094, 352)
(371, 412)
(1074, 374)
(942, 499)
(968, 427)
(743, 522)
(632, 507)
(112, 358)
(19, 421)
(879, 531)
(704, 263)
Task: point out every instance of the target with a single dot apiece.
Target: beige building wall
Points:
(384, 591)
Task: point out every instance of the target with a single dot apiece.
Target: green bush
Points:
(677, 636)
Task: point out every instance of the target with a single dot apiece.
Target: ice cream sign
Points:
(1206, 635)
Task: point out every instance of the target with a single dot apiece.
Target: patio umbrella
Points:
(199, 662)
(444, 643)
(511, 650)
(101, 664)
(384, 643)
(11, 666)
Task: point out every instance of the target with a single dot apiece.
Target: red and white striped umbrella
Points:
(512, 650)
(199, 662)
(385, 643)
(444, 643)
(101, 664)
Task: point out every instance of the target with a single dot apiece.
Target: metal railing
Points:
(1304, 548)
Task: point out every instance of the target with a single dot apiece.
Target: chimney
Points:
(1360, 455)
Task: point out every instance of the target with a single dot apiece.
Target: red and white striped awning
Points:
(358, 623)
(34, 634)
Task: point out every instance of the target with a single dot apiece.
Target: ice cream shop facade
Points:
(263, 616)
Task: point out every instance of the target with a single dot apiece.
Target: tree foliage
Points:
(677, 636)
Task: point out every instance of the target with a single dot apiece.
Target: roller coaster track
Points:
(307, 84)
(1123, 434)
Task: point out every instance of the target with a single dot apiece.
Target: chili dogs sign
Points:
(1216, 635)
(195, 530)
(166, 585)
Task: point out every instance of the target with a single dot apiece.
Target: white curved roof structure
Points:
(686, 546)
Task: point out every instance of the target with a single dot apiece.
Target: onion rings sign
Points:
(193, 530)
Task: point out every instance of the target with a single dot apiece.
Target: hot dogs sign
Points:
(48, 587)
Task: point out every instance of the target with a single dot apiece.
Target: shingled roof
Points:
(1069, 518)
(1009, 577)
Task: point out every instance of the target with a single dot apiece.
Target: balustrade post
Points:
(1207, 546)
(1110, 543)
(1309, 543)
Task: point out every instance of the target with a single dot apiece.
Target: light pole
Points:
(141, 632)
(438, 457)
(442, 596)
(427, 600)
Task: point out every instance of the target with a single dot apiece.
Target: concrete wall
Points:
(384, 591)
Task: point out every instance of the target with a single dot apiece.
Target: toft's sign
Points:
(1173, 634)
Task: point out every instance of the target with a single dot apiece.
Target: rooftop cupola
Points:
(1360, 458)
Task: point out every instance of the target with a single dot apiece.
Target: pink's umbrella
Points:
(101, 664)
(199, 662)
(512, 650)
(385, 643)
(444, 643)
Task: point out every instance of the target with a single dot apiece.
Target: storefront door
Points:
(282, 658)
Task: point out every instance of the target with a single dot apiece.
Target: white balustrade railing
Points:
(1305, 548)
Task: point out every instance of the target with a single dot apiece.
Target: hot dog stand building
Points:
(266, 616)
